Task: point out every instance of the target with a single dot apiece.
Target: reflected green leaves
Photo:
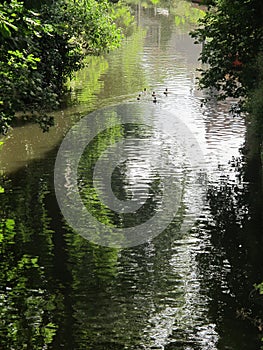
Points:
(185, 15)
(86, 83)
(119, 180)
(23, 307)
(26, 322)
(99, 74)
(86, 167)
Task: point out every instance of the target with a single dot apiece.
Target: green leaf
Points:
(34, 262)
(4, 31)
(49, 332)
(259, 287)
(10, 224)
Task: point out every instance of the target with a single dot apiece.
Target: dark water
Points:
(191, 286)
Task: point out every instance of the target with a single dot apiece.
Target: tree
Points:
(232, 34)
(40, 50)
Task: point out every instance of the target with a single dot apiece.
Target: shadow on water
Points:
(236, 237)
(61, 289)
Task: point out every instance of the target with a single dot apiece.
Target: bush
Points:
(40, 50)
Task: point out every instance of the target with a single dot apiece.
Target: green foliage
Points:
(255, 102)
(49, 333)
(123, 18)
(20, 83)
(232, 35)
(259, 288)
(39, 51)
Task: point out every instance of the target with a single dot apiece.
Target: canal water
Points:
(187, 287)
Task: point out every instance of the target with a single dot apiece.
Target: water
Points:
(183, 288)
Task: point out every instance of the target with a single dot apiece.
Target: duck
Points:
(154, 99)
(139, 97)
(153, 94)
(166, 92)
